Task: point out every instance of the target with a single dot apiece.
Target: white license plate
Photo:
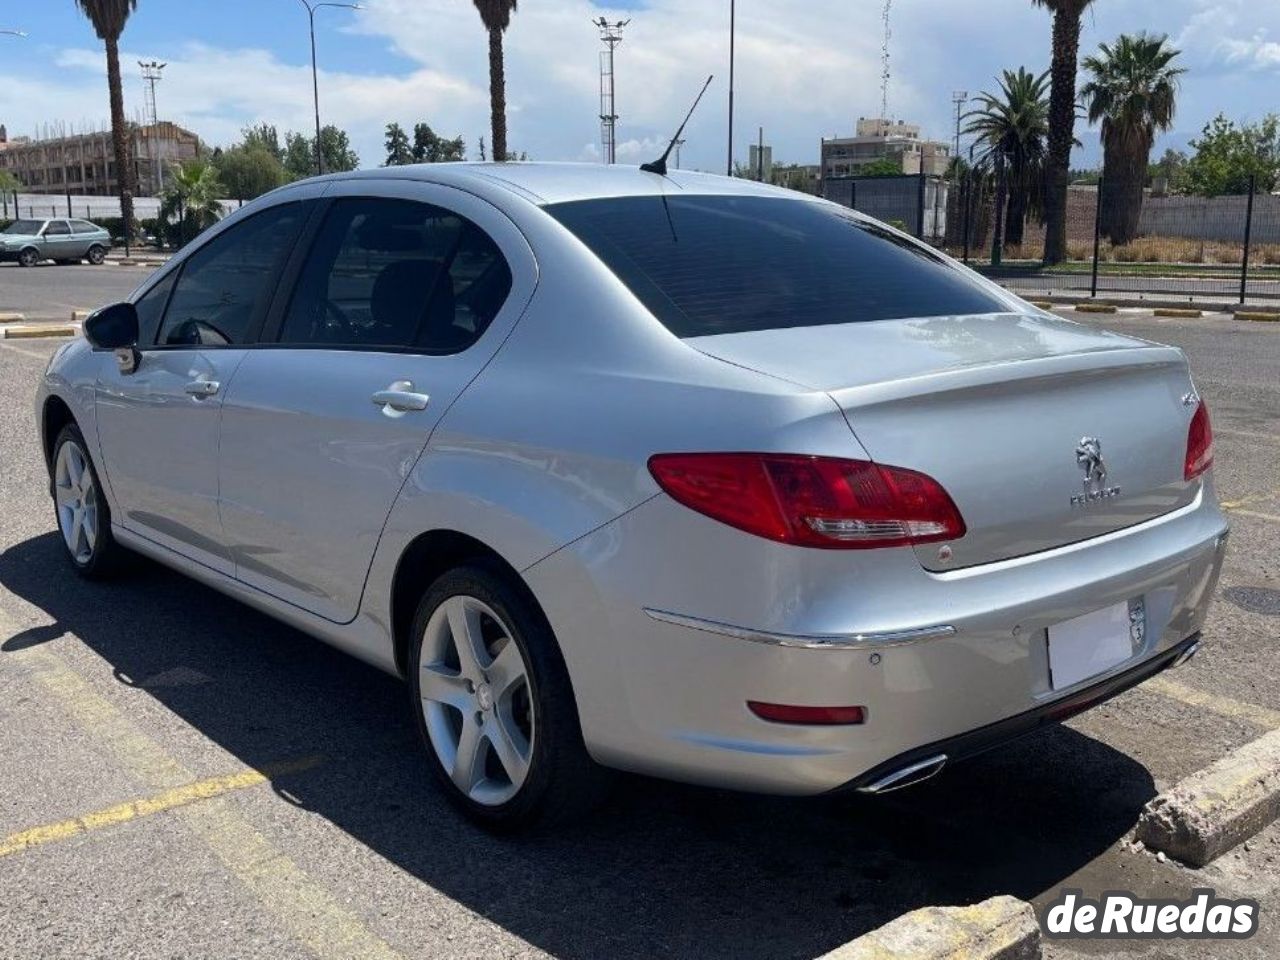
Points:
(1089, 645)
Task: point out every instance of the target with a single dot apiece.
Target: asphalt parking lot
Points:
(50, 291)
(235, 789)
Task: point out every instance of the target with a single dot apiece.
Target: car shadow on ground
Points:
(662, 869)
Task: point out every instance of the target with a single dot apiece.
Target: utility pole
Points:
(960, 98)
(733, 29)
(611, 36)
(152, 73)
(315, 71)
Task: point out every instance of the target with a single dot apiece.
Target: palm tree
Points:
(1132, 92)
(190, 196)
(496, 15)
(108, 18)
(1062, 122)
(1013, 127)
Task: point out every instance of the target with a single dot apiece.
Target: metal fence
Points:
(37, 206)
(914, 203)
(1141, 245)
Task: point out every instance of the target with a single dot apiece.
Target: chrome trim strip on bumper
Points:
(827, 641)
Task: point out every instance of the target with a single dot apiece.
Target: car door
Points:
(84, 235)
(158, 426)
(57, 240)
(405, 293)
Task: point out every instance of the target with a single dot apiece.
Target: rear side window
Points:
(707, 265)
(83, 226)
(397, 274)
(225, 288)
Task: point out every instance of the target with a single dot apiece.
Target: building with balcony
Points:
(880, 139)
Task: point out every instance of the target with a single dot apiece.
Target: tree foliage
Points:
(248, 170)
(1132, 92)
(428, 147)
(399, 153)
(1228, 156)
(335, 147)
(190, 201)
(1012, 125)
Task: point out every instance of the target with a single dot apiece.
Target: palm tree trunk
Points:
(497, 96)
(1062, 121)
(119, 137)
(1002, 199)
(1016, 221)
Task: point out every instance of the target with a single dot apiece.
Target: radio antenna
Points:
(659, 166)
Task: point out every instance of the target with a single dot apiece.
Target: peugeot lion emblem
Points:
(1089, 458)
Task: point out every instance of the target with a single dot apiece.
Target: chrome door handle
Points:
(400, 398)
(203, 388)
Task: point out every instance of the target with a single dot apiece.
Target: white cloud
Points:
(805, 69)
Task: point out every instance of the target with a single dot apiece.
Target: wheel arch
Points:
(426, 558)
(55, 415)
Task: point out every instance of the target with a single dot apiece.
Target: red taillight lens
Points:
(1199, 444)
(820, 502)
(808, 716)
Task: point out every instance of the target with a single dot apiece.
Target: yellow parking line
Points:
(308, 911)
(124, 812)
(1223, 706)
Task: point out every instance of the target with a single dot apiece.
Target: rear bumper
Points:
(667, 695)
(965, 746)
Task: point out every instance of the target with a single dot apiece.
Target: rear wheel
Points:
(494, 706)
(97, 255)
(84, 519)
(28, 258)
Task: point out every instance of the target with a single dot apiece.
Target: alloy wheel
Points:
(77, 502)
(477, 700)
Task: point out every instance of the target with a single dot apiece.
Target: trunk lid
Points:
(998, 409)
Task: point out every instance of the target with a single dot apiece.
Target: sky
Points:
(805, 68)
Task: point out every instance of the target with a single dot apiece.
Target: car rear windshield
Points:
(24, 228)
(707, 265)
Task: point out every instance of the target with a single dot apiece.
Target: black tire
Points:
(97, 255)
(563, 782)
(106, 557)
(28, 257)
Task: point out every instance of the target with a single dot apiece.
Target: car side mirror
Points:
(115, 328)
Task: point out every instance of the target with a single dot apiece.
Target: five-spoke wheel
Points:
(84, 519)
(492, 699)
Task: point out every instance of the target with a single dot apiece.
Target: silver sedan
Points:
(672, 474)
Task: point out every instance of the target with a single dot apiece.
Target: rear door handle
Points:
(399, 398)
(203, 388)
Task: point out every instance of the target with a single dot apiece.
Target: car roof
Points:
(547, 183)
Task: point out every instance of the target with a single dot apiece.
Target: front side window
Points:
(397, 274)
(151, 308)
(226, 286)
(707, 265)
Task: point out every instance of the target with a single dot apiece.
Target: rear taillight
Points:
(820, 502)
(1199, 444)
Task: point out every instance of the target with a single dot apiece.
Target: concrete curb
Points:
(1145, 303)
(1002, 928)
(1097, 308)
(1178, 313)
(32, 331)
(79, 316)
(1258, 316)
(1211, 811)
(12, 317)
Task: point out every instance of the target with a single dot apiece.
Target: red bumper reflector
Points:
(808, 716)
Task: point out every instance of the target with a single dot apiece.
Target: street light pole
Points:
(733, 25)
(315, 71)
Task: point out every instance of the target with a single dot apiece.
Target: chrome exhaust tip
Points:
(907, 776)
(1186, 655)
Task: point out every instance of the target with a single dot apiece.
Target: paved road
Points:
(51, 292)
(114, 693)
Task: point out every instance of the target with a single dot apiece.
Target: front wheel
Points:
(97, 255)
(494, 705)
(84, 519)
(28, 258)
